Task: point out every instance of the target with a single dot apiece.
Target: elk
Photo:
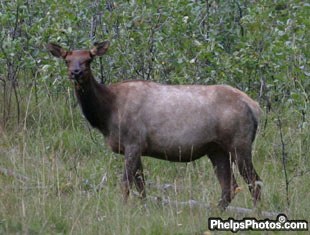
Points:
(178, 123)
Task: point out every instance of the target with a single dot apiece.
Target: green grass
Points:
(65, 162)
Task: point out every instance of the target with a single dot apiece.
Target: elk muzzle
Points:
(76, 74)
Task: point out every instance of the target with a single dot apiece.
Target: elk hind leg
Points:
(249, 174)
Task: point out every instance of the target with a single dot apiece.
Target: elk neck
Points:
(96, 101)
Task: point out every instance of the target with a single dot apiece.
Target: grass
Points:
(65, 162)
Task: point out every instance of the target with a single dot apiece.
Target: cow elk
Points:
(178, 123)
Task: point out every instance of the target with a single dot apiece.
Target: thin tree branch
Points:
(196, 204)
(284, 161)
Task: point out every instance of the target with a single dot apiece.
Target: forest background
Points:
(56, 174)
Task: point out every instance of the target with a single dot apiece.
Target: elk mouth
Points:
(75, 77)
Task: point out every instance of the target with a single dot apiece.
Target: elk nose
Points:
(76, 73)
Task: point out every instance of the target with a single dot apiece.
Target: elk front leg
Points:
(139, 179)
(133, 172)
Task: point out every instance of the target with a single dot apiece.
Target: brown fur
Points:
(175, 123)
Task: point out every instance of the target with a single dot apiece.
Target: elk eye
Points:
(87, 61)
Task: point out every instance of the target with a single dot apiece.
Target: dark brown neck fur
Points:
(96, 101)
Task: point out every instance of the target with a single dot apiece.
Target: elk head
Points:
(78, 61)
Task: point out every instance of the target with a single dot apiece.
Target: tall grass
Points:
(72, 184)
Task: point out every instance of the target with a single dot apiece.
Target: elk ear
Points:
(100, 48)
(56, 50)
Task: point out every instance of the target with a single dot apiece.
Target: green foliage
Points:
(261, 47)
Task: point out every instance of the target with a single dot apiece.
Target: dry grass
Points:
(72, 179)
